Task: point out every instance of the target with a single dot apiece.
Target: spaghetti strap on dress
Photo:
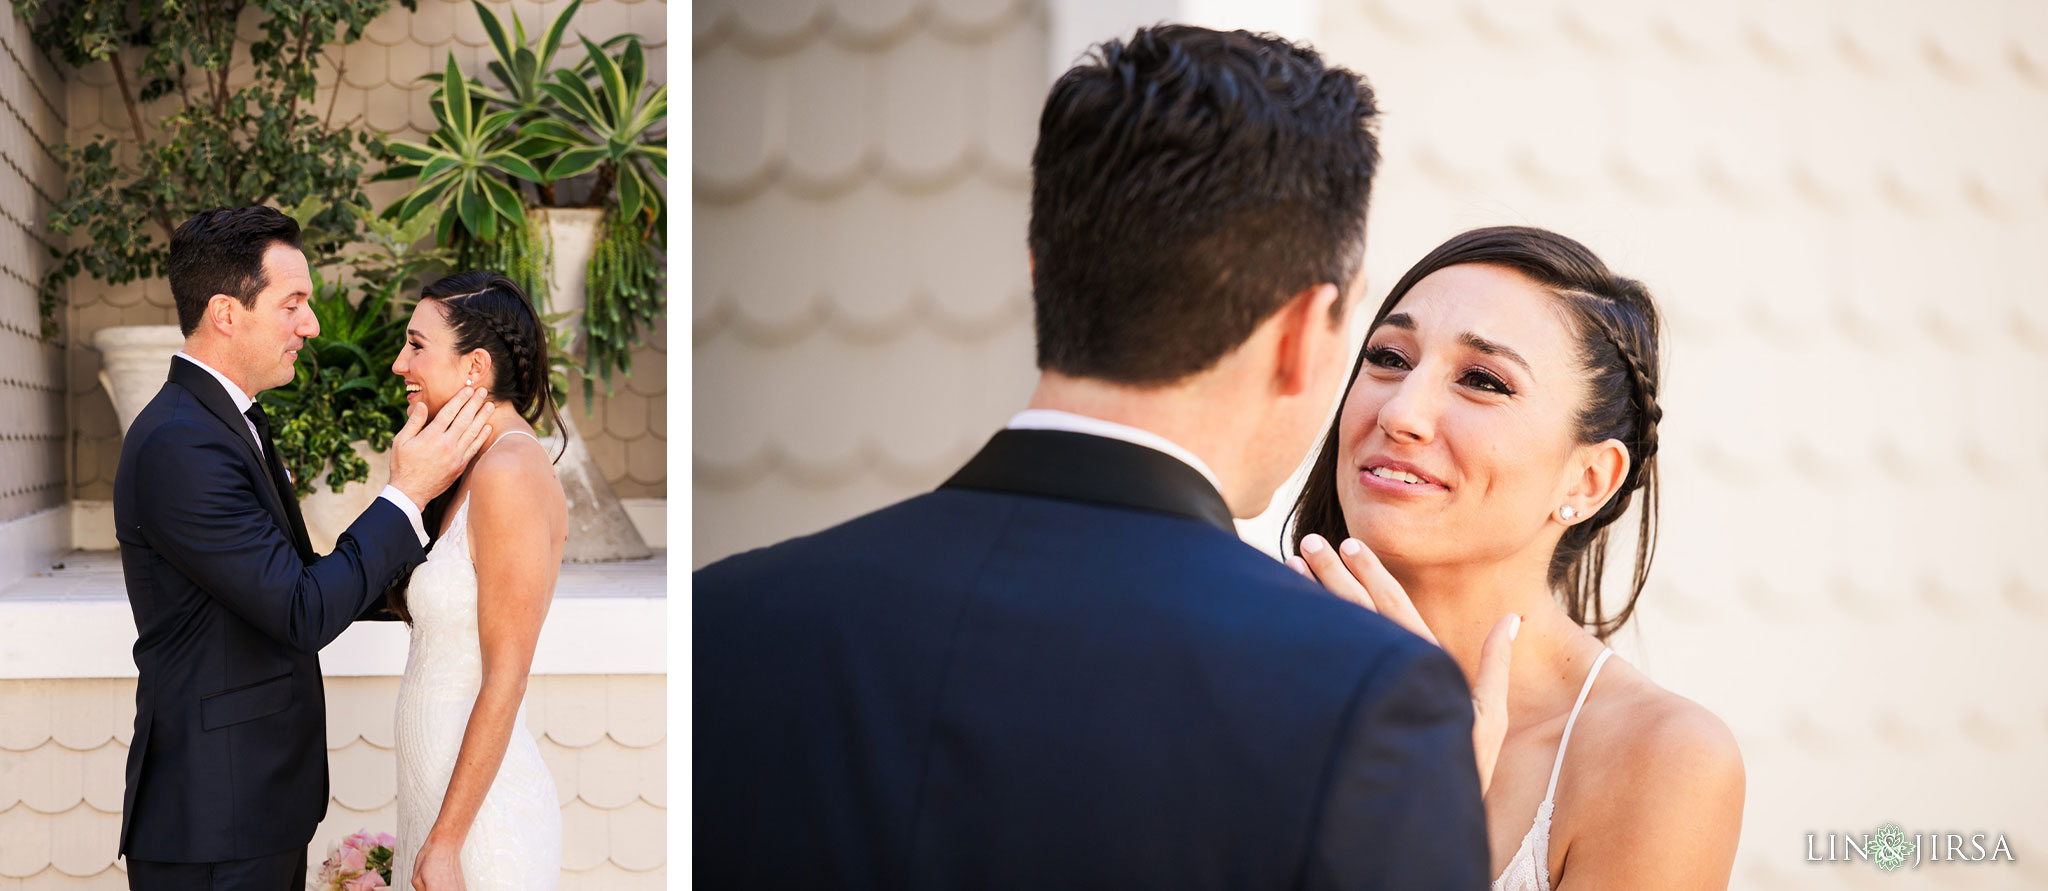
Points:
(1529, 868)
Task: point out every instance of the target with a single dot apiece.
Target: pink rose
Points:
(387, 840)
(352, 859)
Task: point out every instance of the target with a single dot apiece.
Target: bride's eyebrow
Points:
(1478, 344)
(1490, 348)
(415, 334)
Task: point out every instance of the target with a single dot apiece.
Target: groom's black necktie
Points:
(278, 478)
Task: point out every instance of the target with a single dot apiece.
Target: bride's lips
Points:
(1426, 484)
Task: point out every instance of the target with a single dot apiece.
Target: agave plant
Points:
(610, 130)
(468, 164)
(521, 67)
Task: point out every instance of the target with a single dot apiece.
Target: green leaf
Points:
(438, 166)
(494, 30)
(496, 123)
(412, 151)
(576, 98)
(629, 192)
(553, 40)
(504, 201)
(553, 132)
(614, 80)
(455, 97)
(652, 111)
(575, 161)
(477, 215)
(634, 68)
(396, 173)
(423, 198)
(513, 165)
(354, 350)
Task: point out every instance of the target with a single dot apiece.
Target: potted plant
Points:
(507, 160)
(337, 417)
(510, 159)
(213, 145)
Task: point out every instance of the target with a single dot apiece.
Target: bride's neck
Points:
(504, 419)
(1462, 603)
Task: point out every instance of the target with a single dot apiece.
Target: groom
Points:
(1062, 669)
(227, 771)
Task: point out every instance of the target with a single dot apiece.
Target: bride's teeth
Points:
(1403, 476)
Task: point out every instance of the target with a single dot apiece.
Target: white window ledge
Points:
(74, 622)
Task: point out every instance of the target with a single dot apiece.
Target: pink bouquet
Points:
(360, 862)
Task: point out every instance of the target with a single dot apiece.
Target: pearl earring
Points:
(469, 383)
(1568, 513)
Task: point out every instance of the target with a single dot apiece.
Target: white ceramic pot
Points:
(572, 238)
(328, 513)
(135, 360)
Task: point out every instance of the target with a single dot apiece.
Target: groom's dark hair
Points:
(1187, 183)
(220, 251)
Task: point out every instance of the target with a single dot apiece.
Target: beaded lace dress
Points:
(516, 840)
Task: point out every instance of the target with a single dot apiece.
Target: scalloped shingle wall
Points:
(379, 89)
(63, 745)
(1840, 208)
(862, 315)
(31, 371)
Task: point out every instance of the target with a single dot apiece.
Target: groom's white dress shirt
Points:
(1054, 419)
(242, 403)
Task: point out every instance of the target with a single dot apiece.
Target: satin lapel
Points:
(207, 390)
(1096, 470)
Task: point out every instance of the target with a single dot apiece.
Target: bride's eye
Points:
(1484, 380)
(1382, 357)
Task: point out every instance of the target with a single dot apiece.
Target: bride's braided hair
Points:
(1617, 330)
(487, 311)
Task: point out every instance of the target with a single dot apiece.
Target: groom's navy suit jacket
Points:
(229, 757)
(1064, 670)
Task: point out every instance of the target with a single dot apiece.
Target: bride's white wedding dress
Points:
(516, 841)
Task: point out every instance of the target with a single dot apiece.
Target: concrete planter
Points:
(328, 513)
(599, 528)
(135, 360)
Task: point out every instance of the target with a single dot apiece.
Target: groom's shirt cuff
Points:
(412, 511)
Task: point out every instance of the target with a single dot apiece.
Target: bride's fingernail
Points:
(1351, 547)
(1313, 544)
(1515, 629)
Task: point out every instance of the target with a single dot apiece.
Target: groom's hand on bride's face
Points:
(430, 453)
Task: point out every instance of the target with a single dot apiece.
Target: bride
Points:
(476, 805)
(1502, 414)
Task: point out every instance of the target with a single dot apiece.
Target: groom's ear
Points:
(220, 313)
(1307, 341)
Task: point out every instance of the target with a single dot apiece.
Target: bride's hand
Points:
(438, 867)
(1354, 573)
